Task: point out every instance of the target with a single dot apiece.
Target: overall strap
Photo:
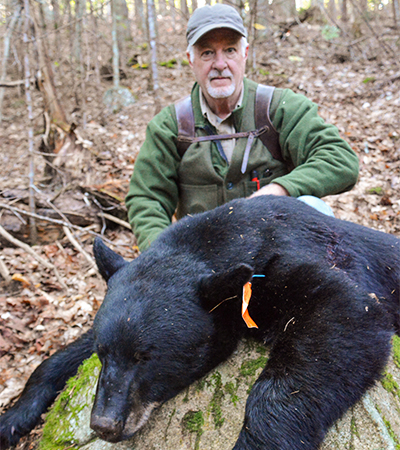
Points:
(261, 115)
(185, 119)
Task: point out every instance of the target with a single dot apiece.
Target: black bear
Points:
(325, 298)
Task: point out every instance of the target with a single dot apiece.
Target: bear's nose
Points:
(108, 429)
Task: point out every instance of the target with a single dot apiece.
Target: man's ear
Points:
(108, 262)
(246, 53)
(189, 59)
(219, 286)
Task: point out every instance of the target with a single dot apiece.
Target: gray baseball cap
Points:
(209, 18)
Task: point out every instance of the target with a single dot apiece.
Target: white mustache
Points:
(214, 73)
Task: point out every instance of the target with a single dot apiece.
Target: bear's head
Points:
(156, 333)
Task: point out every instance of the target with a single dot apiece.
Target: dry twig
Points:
(29, 250)
(114, 219)
(4, 272)
(76, 244)
(64, 224)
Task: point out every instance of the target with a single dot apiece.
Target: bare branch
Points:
(114, 219)
(29, 250)
(60, 222)
(4, 272)
(76, 244)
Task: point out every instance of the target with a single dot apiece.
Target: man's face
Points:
(219, 64)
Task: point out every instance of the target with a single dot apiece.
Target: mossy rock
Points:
(209, 414)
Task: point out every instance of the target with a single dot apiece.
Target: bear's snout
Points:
(107, 428)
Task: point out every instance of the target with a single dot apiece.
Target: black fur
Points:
(328, 307)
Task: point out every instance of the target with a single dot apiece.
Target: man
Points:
(211, 172)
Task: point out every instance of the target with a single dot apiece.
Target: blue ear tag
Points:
(258, 276)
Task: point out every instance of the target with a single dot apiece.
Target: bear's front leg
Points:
(282, 413)
(324, 359)
(44, 384)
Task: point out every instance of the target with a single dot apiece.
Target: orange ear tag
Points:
(245, 303)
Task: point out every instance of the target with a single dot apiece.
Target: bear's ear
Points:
(107, 260)
(219, 286)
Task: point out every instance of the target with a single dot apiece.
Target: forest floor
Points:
(356, 85)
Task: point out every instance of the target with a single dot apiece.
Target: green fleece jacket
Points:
(324, 163)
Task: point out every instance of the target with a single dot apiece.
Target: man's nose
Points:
(220, 62)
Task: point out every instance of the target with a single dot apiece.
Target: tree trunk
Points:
(123, 24)
(31, 174)
(153, 50)
(332, 9)
(7, 38)
(46, 82)
(161, 7)
(115, 59)
(184, 8)
(139, 15)
(79, 11)
(363, 5)
(71, 35)
(285, 8)
(59, 136)
(95, 49)
(396, 13)
(171, 4)
(57, 22)
(345, 15)
(252, 34)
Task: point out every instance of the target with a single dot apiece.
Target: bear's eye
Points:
(101, 351)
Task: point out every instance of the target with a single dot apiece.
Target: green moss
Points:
(56, 433)
(201, 384)
(263, 72)
(193, 421)
(392, 434)
(186, 398)
(389, 383)
(169, 424)
(171, 63)
(389, 428)
(18, 103)
(353, 427)
(250, 367)
(396, 351)
(261, 349)
(231, 389)
(216, 401)
(140, 66)
(375, 190)
(369, 80)
(251, 345)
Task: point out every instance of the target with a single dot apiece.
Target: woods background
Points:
(80, 80)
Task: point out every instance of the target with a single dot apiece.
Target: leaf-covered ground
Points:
(356, 83)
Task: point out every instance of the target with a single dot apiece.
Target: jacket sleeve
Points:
(153, 191)
(324, 162)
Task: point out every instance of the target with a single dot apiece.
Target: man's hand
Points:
(271, 189)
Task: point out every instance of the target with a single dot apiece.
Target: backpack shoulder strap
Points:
(185, 119)
(270, 138)
(261, 114)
